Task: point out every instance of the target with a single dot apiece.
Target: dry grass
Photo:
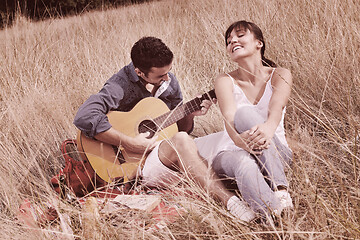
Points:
(49, 68)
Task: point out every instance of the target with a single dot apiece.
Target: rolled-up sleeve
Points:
(91, 117)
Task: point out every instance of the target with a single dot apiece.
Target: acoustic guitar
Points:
(149, 115)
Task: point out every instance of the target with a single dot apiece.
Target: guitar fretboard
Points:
(181, 111)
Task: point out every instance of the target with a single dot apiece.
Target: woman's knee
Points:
(246, 117)
(234, 163)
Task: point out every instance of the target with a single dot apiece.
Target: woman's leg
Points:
(272, 162)
(273, 159)
(250, 181)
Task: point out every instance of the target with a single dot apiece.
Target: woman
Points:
(252, 100)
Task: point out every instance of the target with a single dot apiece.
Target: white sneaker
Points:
(240, 209)
(285, 200)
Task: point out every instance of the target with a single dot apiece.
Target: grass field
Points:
(49, 68)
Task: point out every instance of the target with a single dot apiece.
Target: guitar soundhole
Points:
(148, 126)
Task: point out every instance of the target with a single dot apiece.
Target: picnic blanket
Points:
(77, 185)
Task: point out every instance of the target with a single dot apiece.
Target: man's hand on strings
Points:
(205, 105)
(140, 143)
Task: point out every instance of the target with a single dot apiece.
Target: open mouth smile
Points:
(236, 48)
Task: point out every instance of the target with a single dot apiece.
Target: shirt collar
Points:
(162, 88)
(130, 71)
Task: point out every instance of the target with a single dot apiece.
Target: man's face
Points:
(157, 75)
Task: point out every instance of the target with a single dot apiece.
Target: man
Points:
(149, 76)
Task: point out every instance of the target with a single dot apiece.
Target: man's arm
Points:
(139, 143)
(91, 117)
(186, 124)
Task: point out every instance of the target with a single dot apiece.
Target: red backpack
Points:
(78, 176)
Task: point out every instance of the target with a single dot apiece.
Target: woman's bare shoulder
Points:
(282, 74)
(225, 76)
(283, 71)
(223, 81)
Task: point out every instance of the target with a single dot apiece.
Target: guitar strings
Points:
(178, 113)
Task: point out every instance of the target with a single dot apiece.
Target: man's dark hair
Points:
(150, 52)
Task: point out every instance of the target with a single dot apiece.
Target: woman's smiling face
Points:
(242, 43)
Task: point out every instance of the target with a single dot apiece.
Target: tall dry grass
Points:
(49, 68)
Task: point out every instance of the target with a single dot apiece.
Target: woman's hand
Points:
(260, 136)
(242, 141)
(257, 139)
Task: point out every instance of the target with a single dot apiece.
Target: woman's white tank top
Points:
(209, 146)
(262, 107)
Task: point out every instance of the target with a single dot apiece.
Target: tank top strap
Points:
(271, 75)
(232, 79)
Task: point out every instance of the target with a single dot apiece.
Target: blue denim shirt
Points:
(121, 92)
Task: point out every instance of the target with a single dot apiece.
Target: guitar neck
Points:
(180, 112)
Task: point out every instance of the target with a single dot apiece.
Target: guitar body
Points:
(110, 162)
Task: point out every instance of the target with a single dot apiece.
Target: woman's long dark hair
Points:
(252, 27)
